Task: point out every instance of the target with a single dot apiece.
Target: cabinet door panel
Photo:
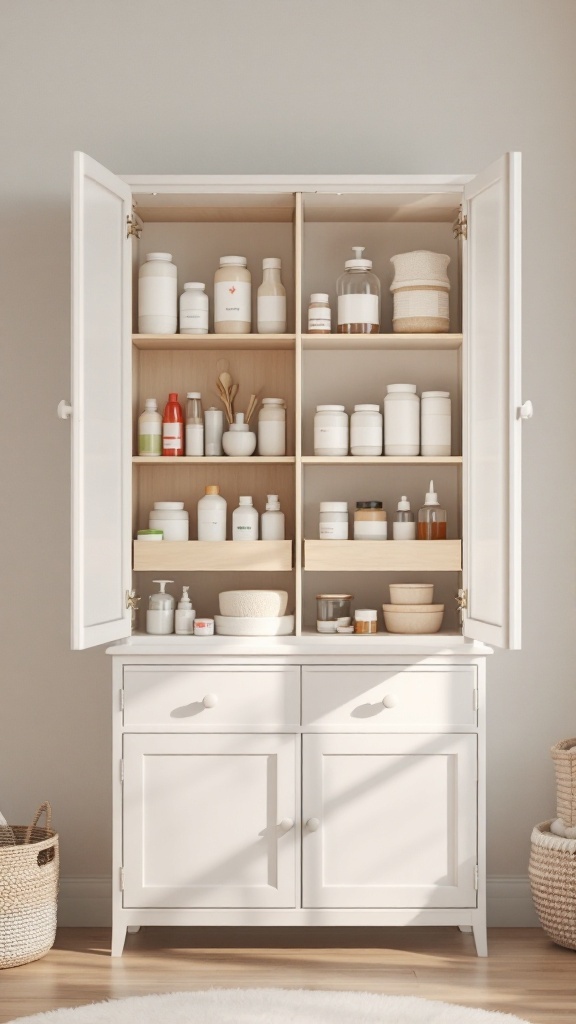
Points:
(101, 433)
(397, 821)
(492, 399)
(202, 821)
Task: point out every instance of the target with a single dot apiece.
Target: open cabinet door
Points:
(491, 393)
(101, 430)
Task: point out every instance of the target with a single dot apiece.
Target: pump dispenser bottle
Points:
(358, 297)
(160, 614)
(404, 525)
(272, 520)
(431, 518)
(185, 615)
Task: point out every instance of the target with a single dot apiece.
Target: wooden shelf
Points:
(377, 460)
(205, 342)
(213, 556)
(383, 556)
(205, 460)
(398, 342)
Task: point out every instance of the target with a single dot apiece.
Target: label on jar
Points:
(150, 443)
(272, 309)
(358, 309)
(194, 319)
(172, 436)
(318, 320)
(157, 296)
(332, 438)
(194, 439)
(333, 531)
(404, 531)
(232, 301)
(364, 530)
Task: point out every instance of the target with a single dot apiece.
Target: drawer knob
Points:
(210, 700)
(313, 824)
(390, 700)
(286, 824)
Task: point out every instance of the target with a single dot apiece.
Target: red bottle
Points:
(173, 427)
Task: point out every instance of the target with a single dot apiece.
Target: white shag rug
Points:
(270, 1006)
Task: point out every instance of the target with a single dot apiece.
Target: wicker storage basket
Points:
(565, 768)
(420, 266)
(552, 872)
(28, 892)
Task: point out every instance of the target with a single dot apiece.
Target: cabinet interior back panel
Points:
(196, 250)
(328, 245)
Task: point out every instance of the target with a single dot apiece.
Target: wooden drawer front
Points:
(373, 699)
(186, 699)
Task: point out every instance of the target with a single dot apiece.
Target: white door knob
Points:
(313, 824)
(526, 410)
(64, 410)
(286, 824)
(390, 700)
(210, 700)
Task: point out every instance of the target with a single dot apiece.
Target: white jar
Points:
(212, 515)
(401, 420)
(333, 520)
(319, 314)
(174, 524)
(232, 296)
(330, 430)
(271, 299)
(436, 427)
(203, 627)
(213, 430)
(245, 520)
(366, 430)
(272, 427)
(158, 295)
(194, 309)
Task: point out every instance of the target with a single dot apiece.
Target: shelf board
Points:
(383, 556)
(398, 342)
(186, 460)
(213, 556)
(377, 460)
(205, 342)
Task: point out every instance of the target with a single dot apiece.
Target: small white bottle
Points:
(212, 514)
(194, 309)
(272, 521)
(158, 295)
(272, 427)
(160, 614)
(213, 430)
(184, 615)
(150, 430)
(245, 520)
(194, 424)
(271, 299)
(404, 524)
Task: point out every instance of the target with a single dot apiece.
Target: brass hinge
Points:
(132, 600)
(461, 602)
(476, 873)
(460, 226)
(121, 879)
(132, 227)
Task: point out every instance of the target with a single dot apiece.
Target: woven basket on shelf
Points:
(552, 872)
(28, 892)
(565, 768)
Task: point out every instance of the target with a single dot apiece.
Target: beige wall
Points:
(272, 86)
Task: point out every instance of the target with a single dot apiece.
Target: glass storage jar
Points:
(358, 297)
(370, 521)
(330, 430)
(332, 609)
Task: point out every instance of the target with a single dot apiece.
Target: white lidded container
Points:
(194, 309)
(436, 423)
(213, 430)
(194, 440)
(271, 298)
(366, 430)
(212, 514)
(272, 521)
(232, 296)
(158, 295)
(174, 523)
(319, 314)
(150, 430)
(245, 520)
(358, 297)
(401, 420)
(331, 430)
(272, 427)
(333, 520)
(160, 613)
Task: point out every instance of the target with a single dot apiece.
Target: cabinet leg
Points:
(465, 927)
(118, 939)
(132, 929)
(481, 939)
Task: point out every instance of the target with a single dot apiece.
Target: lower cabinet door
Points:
(389, 821)
(210, 820)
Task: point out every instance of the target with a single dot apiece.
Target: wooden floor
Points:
(524, 974)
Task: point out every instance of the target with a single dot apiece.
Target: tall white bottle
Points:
(271, 299)
(212, 515)
(272, 520)
(245, 520)
(150, 430)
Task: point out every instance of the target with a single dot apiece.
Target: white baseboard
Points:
(86, 902)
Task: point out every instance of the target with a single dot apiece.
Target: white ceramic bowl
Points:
(413, 618)
(239, 442)
(256, 625)
(411, 593)
(251, 603)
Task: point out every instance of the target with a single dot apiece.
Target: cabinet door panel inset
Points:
(202, 821)
(397, 821)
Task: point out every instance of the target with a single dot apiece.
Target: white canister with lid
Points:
(366, 430)
(333, 520)
(158, 295)
(194, 309)
(175, 524)
(232, 296)
(272, 427)
(331, 430)
(271, 299)
(319, 314)
(401, 420)
(213, 430)
(436, 425)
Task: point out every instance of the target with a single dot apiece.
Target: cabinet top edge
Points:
(317, 647)
(297, 183)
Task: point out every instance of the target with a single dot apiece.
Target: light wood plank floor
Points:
(525, 973)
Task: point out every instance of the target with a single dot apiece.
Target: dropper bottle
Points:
(404, 524)
(431, 517)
